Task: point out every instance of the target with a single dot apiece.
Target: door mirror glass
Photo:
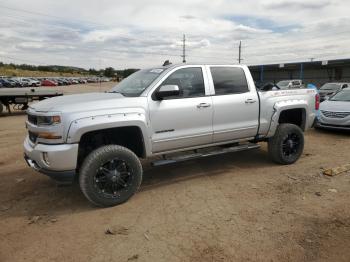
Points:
(167, 90)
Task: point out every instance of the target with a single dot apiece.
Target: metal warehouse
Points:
(316, 72)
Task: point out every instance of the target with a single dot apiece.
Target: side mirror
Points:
(167, 90)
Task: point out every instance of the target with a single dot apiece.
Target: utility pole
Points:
(240, 52)
(184, 49)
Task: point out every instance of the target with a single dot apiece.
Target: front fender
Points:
(81, 126)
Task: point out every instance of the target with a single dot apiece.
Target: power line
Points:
(152, 53)
(301, 41)
(48, 16)
(104, 25)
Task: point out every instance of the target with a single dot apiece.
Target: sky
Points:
(140, 34)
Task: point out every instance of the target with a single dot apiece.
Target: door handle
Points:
(250, 101)
(202, 105)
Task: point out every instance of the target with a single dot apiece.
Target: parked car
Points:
(99, 138)
(13, 82)
(30, 82)
(290, 84)
(59, 81)
(48, 82)
(19, 82)
(75, 81)
(329, 89)
(6, 83)
(335, 111)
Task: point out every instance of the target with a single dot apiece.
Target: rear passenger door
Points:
(235, 103)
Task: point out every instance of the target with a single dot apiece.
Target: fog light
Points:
(46, 158)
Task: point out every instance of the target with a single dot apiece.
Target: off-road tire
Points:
(1, 107)
(95, 160)
(275, 144)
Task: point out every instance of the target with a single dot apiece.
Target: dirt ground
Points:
(236, 207)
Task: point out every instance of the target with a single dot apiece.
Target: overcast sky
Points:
(135, 33)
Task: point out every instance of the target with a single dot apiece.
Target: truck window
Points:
(229, 80)
(189, 80)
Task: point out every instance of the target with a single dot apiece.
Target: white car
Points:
(335, 112)
(29, 82)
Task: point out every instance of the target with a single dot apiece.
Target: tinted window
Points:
(189, 80)
(229, 80)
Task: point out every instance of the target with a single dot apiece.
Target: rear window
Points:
(229, 80)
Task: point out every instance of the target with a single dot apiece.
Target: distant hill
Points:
(47, 70)
(57, 70)
(29, 73)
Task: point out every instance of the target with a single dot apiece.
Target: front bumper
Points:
(326, 122)
(331, 126)
(59, 162)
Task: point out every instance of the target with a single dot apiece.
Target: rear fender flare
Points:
(281, 106)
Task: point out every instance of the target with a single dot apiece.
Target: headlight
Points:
(48, 120)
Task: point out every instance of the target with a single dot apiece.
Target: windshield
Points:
(341, 96)
(330, 87)
(137, 82)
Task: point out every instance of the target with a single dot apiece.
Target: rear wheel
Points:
(287, 145)
(1, 107)
(110, 175)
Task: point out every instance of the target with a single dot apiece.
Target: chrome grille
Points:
(331, 114)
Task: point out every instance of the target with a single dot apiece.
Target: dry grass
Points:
(4, 71)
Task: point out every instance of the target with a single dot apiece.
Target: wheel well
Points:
(293, 116)
(129, 137)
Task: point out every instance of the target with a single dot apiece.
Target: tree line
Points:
(107, 72)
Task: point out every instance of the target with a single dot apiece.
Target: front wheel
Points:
(110, 175)
(287, 145)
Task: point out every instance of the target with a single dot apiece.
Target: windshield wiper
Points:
(116, 92)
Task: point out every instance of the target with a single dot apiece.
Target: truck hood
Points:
(335, 106)
(87, 102)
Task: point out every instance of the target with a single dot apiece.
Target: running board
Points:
(167, 161)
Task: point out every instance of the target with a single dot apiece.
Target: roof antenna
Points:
(166, 63)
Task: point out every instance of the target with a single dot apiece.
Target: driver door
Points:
(185, 120)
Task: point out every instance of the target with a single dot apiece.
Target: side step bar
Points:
(176, 159)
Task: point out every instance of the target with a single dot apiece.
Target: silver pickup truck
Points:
(198, 110)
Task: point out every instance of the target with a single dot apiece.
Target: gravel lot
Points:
(236, 207)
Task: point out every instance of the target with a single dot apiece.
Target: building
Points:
(316, 72)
